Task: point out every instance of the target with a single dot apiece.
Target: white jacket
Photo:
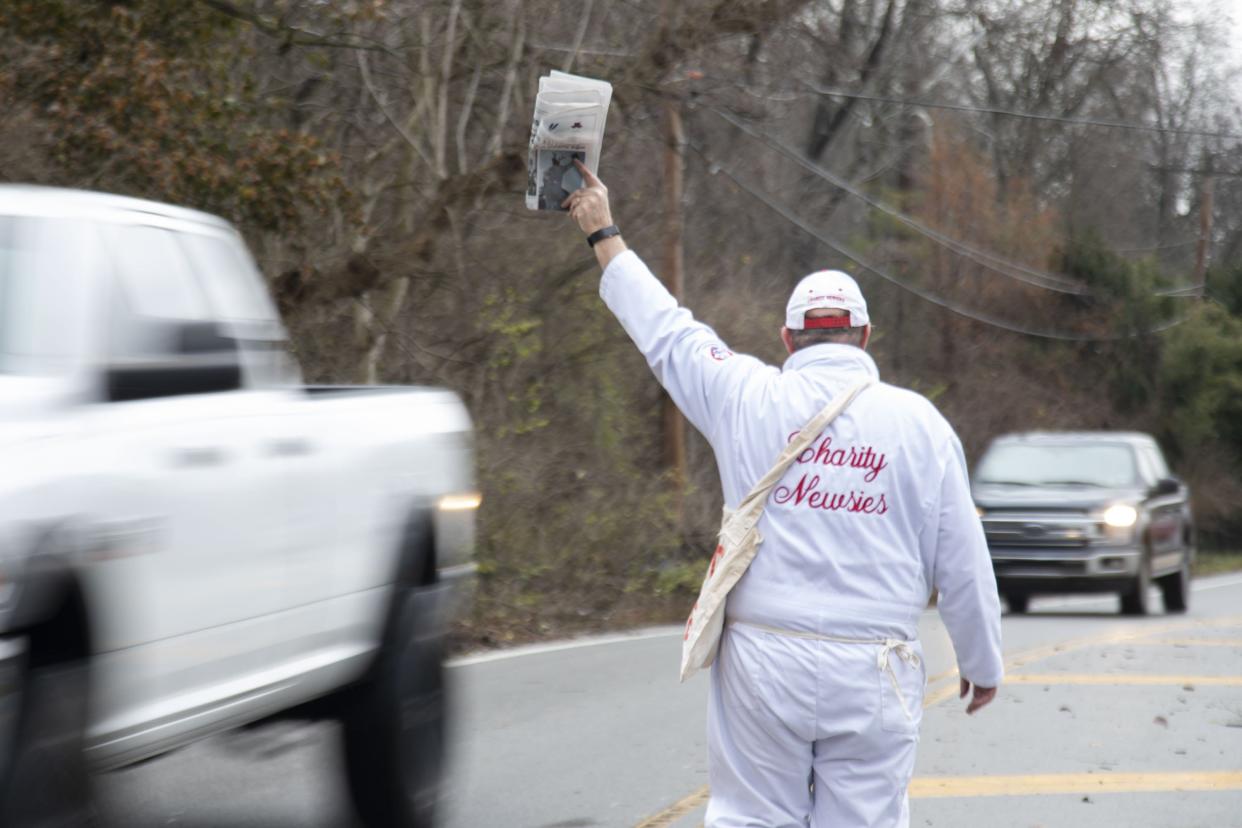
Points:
(867, 522)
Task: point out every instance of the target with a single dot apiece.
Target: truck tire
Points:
(43, 774)
(1175, 588)
(394, 723)
(1017, 602)
(1136, 600)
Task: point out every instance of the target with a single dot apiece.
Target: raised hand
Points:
(589, 205)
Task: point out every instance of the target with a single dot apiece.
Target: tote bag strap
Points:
(800, 443)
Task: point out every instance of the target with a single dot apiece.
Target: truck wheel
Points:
(43, 774)
(394, 724)
(1135, 601)
(1017, 602)
(1175, 589)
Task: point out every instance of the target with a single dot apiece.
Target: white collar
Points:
(846, 358)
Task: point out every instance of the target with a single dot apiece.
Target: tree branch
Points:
(511, 70)
(290, 35)
(410, 139)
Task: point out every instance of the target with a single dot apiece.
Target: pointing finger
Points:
(587, 175)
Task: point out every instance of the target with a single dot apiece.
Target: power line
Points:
(921, 293)
(1182, 291)
(1005, 267)
(986, 110)
(1146, 248)
(1013, 113)
(1039, 278)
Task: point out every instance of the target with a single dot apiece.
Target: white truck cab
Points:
(190, 539)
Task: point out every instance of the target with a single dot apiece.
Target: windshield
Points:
(41, 265)
(1109, 465)
(8, 289)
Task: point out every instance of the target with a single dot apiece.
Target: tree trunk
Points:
(1202, 248)
(374, 316)
(674, 173)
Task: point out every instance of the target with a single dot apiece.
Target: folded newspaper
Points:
(570, 112)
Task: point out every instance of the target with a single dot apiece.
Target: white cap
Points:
(826, 289)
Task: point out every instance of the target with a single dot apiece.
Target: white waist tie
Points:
(886, 645)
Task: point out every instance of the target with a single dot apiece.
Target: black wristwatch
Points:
(603, 233)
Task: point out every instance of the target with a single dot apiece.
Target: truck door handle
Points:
(198, 456)
(290, 447)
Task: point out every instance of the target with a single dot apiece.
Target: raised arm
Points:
(687, 357)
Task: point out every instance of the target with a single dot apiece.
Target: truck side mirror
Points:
(201, 360)
(201, 338)
(1166, 486)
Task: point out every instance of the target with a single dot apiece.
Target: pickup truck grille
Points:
(1047, 531)
(1040, 567)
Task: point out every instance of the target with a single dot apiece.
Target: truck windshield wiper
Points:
(1071, 483)
(1008, 482)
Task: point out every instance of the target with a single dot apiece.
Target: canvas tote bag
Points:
(739, 541)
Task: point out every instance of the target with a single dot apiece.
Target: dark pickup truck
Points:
(1085, 512)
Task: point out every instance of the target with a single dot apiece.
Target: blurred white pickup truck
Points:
(191, 540)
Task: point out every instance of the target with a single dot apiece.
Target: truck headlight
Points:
(465, 502)
(1120, 515)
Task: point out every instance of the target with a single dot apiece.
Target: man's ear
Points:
(787, 338)
(866, 336)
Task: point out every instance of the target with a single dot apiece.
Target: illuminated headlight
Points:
(459, 502)
(979, 511)
(1120, 516)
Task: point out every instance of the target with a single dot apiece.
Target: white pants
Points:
(786, 712)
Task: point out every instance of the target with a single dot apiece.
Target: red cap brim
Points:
(826, 322)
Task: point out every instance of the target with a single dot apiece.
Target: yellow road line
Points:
(942, 676)
(931, 787)
(949, 691)
(1193, 642)
(678, 809)
(940, 787)
(934, 697)
(1120, 637)
(1122, 678)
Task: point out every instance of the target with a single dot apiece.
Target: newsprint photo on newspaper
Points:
(570, 112)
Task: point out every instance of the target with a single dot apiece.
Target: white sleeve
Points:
(697, 369)
(962, 574)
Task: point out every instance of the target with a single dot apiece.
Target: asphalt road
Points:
(1103, 721)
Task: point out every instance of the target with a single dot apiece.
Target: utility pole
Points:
(674, 260)
(1206, 188)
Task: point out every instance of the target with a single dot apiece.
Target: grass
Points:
(1217, 562)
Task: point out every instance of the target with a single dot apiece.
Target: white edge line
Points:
(1215, 582)
(572, 644)
(1197, 585)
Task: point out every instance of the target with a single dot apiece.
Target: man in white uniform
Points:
(816, 695)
